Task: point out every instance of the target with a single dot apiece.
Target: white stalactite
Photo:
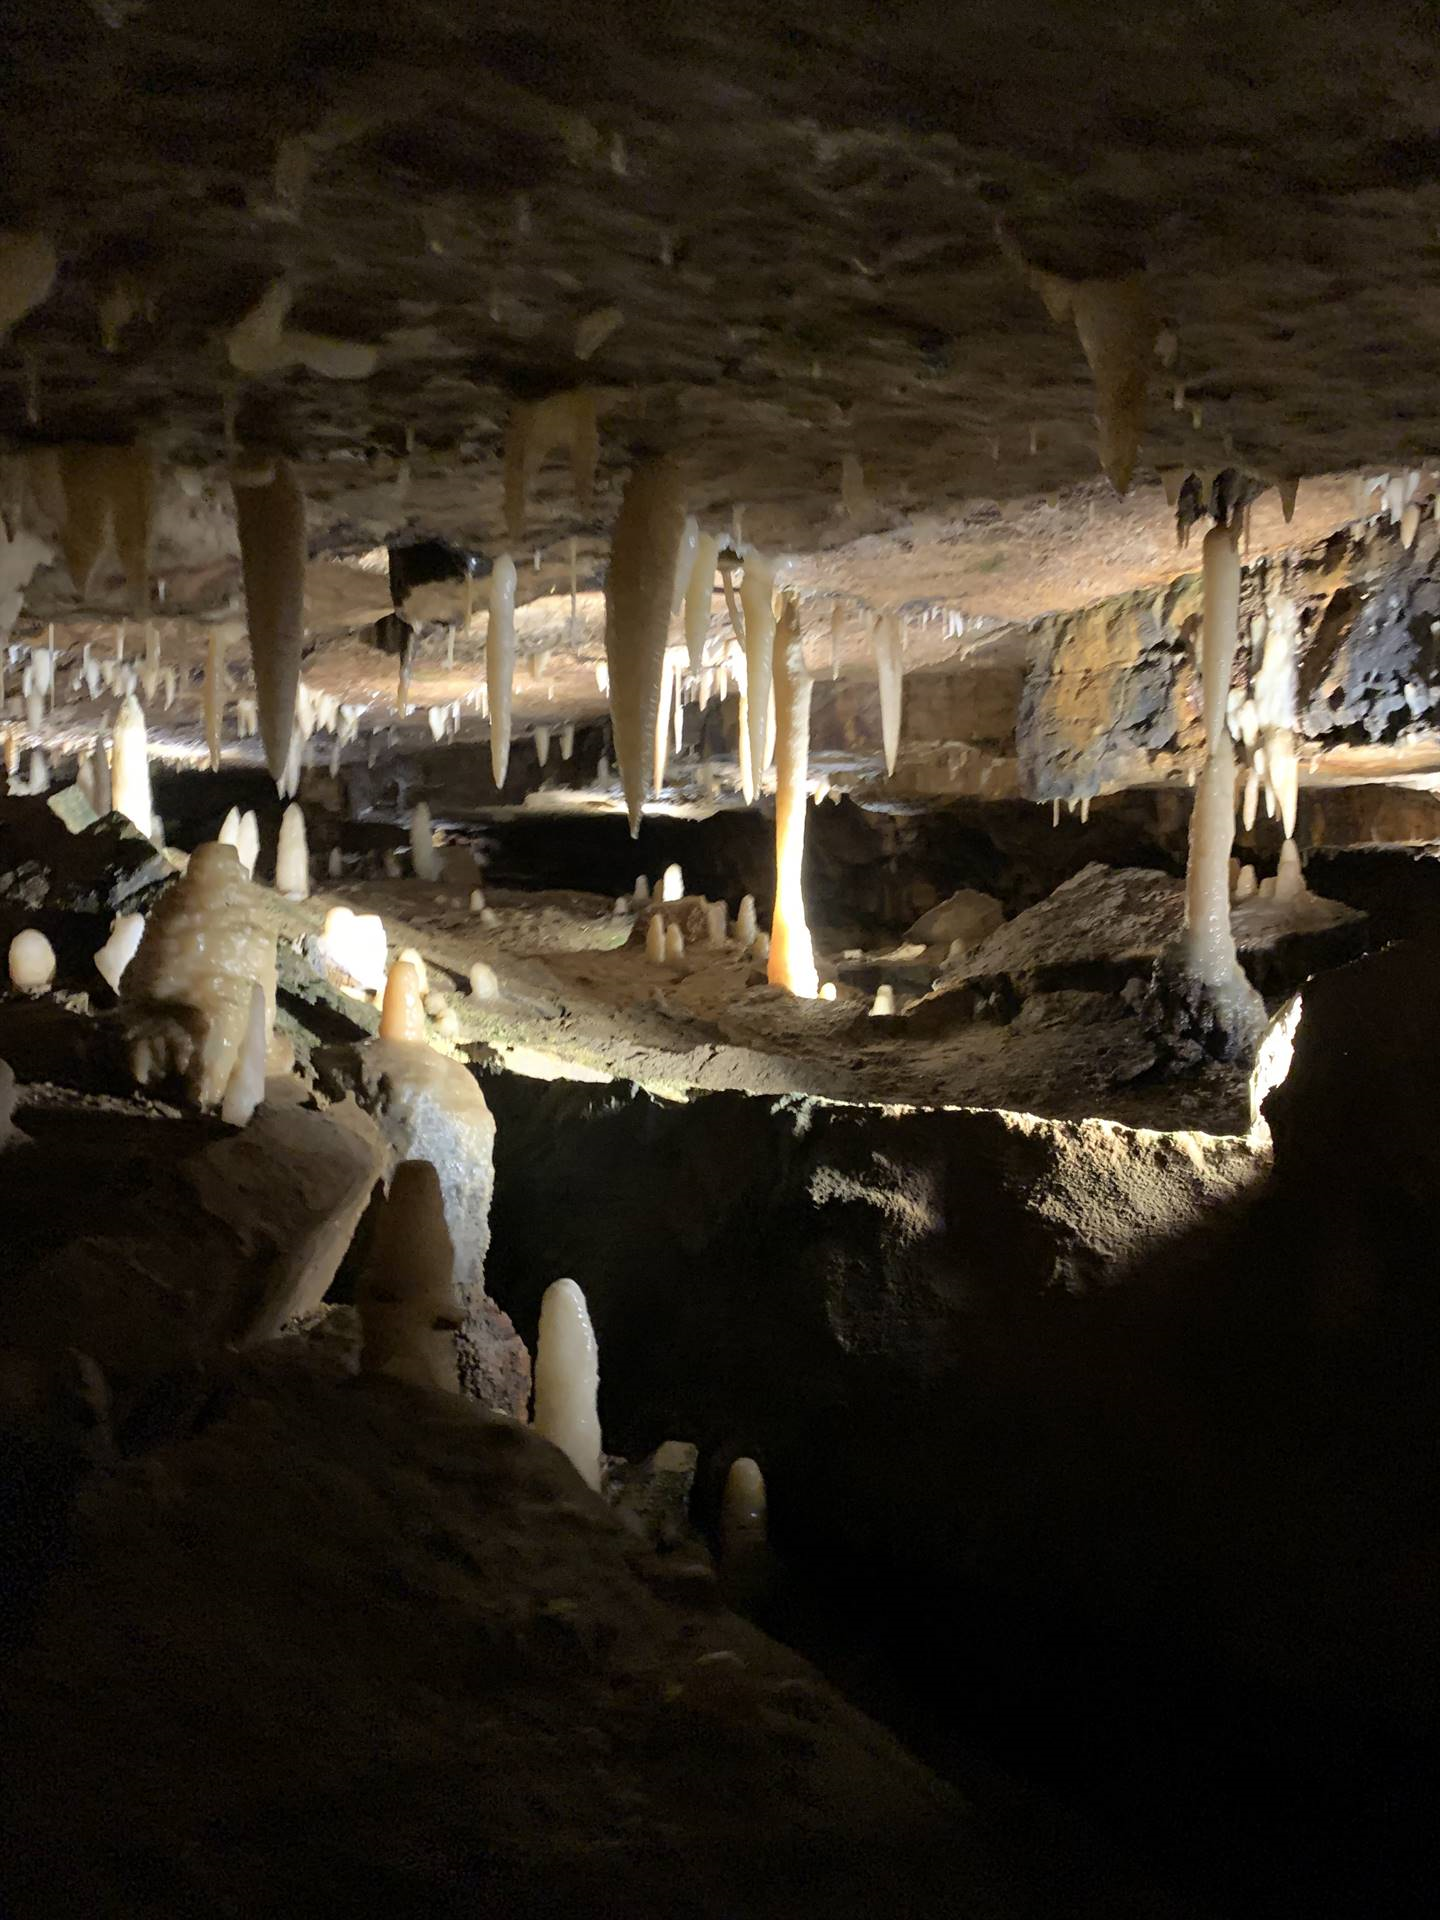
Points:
(757, 602)
(567, 1379)
(638, 593)
(699, 592)
(214, 695)
(500, 663)
(890, 670)
(270, 512)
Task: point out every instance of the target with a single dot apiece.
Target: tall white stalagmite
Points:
(699, 592)
(792, 959)
(292, 856)
(247, 843)
(890, 670)
(126, 932)
(1208, 945)
(655, 939)
(757, 602)
(270, 514)
(745, 925)
(567, 1379)
(130, 767)
(638, 593)
(500, 663)
(402, 1014)
(410, 1309)
(214, 694)
(424, 856)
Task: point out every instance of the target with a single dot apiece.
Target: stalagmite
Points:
(229, 834)
(92, 776)
(674, 944)
(126, 932)
(292, 856)
(247, 721)
(214, 694)
(1289, 874)
(567, 1379)
(402, 1016)
(742, 1514)
(150, 672)
(884, 1001)
(641, 890)
(500, 663)
(1246, 885)
(39, 772)
(541, 738)
(424, 855)
(637, 618)
(655, 940)
(410, 1310)
(484, 982)
(890, 671)
(352, 950)
(435, 718)
(186, 996)
(245, 1088)
(1207, 947)
(130, 767)
(672, 883)
(247, 843)
(757, 602)
(1275, 710)
(477, 900)
(270, 513)
(745, 927)
(32, 962)
(699, 591)
(415, 961)
(716, 923)
(791, 962)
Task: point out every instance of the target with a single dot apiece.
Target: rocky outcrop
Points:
(358, 1642)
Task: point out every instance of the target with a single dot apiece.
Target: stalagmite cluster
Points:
(185, 998)
(791, 962)
(270, 514)
(638, 595)
(567, 1379)
(410, 1308)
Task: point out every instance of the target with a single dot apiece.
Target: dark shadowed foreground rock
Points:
(152, 1243)
(357, 1646)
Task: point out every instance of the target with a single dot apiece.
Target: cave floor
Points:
(576, 1001)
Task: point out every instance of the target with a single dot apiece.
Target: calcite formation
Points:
(185, 998)
(567, 1379)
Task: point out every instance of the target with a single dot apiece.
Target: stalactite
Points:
(270, 512)
(890, 671)
(637, 617)
(500, 663)
(757, 601)
(567, 1379)
(662, 721)
(214, 695)
(792, 960)
(1117, 325)
(535, 429)
(699, 592)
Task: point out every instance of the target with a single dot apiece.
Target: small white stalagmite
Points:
(792, 959)
(638, 592)
(745, 924)
(484, 982)
(229, 834)
(292, 856)
(32, 962)
(247, 843)
(567, 1379)
(716, 923)
(245, 1088)
(884, 1001)
(1289, 874)
(743, 1522)
(500, 663)
(655, 940)
(410, 1310)
(130, 767)
(126, 933)
(424, 855)
(672, 883)
(674, 944)
(890, 670)
(402, 1016)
